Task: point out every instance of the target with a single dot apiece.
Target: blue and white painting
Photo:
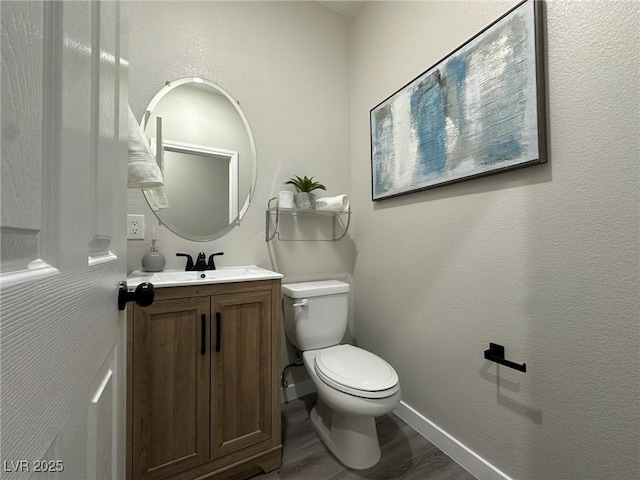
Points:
(474, 113)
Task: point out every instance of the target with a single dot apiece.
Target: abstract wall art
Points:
(478, 111)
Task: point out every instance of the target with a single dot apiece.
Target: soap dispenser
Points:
(153, 260)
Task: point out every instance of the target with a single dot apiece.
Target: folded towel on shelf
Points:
(143, 171)
(339, 203)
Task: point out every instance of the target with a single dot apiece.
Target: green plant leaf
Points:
(305, 184)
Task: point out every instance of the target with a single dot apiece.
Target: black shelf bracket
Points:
(495, 353)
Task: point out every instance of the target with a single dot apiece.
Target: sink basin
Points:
(175, 278)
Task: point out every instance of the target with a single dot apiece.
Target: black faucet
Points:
(200, 264)
(212, 264)
(189, 266)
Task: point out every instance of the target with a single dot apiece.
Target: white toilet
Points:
(354, 386)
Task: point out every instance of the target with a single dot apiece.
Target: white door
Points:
(63, 211)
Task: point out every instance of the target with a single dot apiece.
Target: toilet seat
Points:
(355, 371)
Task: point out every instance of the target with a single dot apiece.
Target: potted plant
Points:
(303, 197)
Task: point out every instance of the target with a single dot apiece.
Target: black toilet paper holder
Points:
(495, 353)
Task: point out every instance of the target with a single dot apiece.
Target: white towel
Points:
(156, 198)
(143, 169)
(339, 203)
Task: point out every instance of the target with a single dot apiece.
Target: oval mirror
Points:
(205, 149)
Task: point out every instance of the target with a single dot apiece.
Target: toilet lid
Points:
(355, 371)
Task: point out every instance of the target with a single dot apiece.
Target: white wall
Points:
(287, 64)
(543, 260)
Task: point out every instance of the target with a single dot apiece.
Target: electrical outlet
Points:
(135, 227)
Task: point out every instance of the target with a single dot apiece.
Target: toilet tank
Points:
(315, 313)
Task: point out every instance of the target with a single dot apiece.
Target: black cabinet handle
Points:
(203, 334)
(218, 331)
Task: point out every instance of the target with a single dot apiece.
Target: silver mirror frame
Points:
(254, 160)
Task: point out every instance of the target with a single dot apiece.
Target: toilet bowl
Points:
(354, 386)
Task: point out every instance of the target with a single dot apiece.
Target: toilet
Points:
(354, 386)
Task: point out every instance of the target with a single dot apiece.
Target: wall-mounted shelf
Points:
(340, 221)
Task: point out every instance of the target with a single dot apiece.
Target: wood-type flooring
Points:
(406, 454)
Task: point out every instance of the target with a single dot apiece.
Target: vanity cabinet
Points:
(203, 392)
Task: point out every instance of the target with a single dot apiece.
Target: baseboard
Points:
(462, 455)
(297, 390)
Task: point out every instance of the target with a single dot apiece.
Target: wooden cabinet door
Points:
(171, 368)
(241, 382)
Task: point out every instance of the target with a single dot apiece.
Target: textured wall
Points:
(543, 260)
(287, 64)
